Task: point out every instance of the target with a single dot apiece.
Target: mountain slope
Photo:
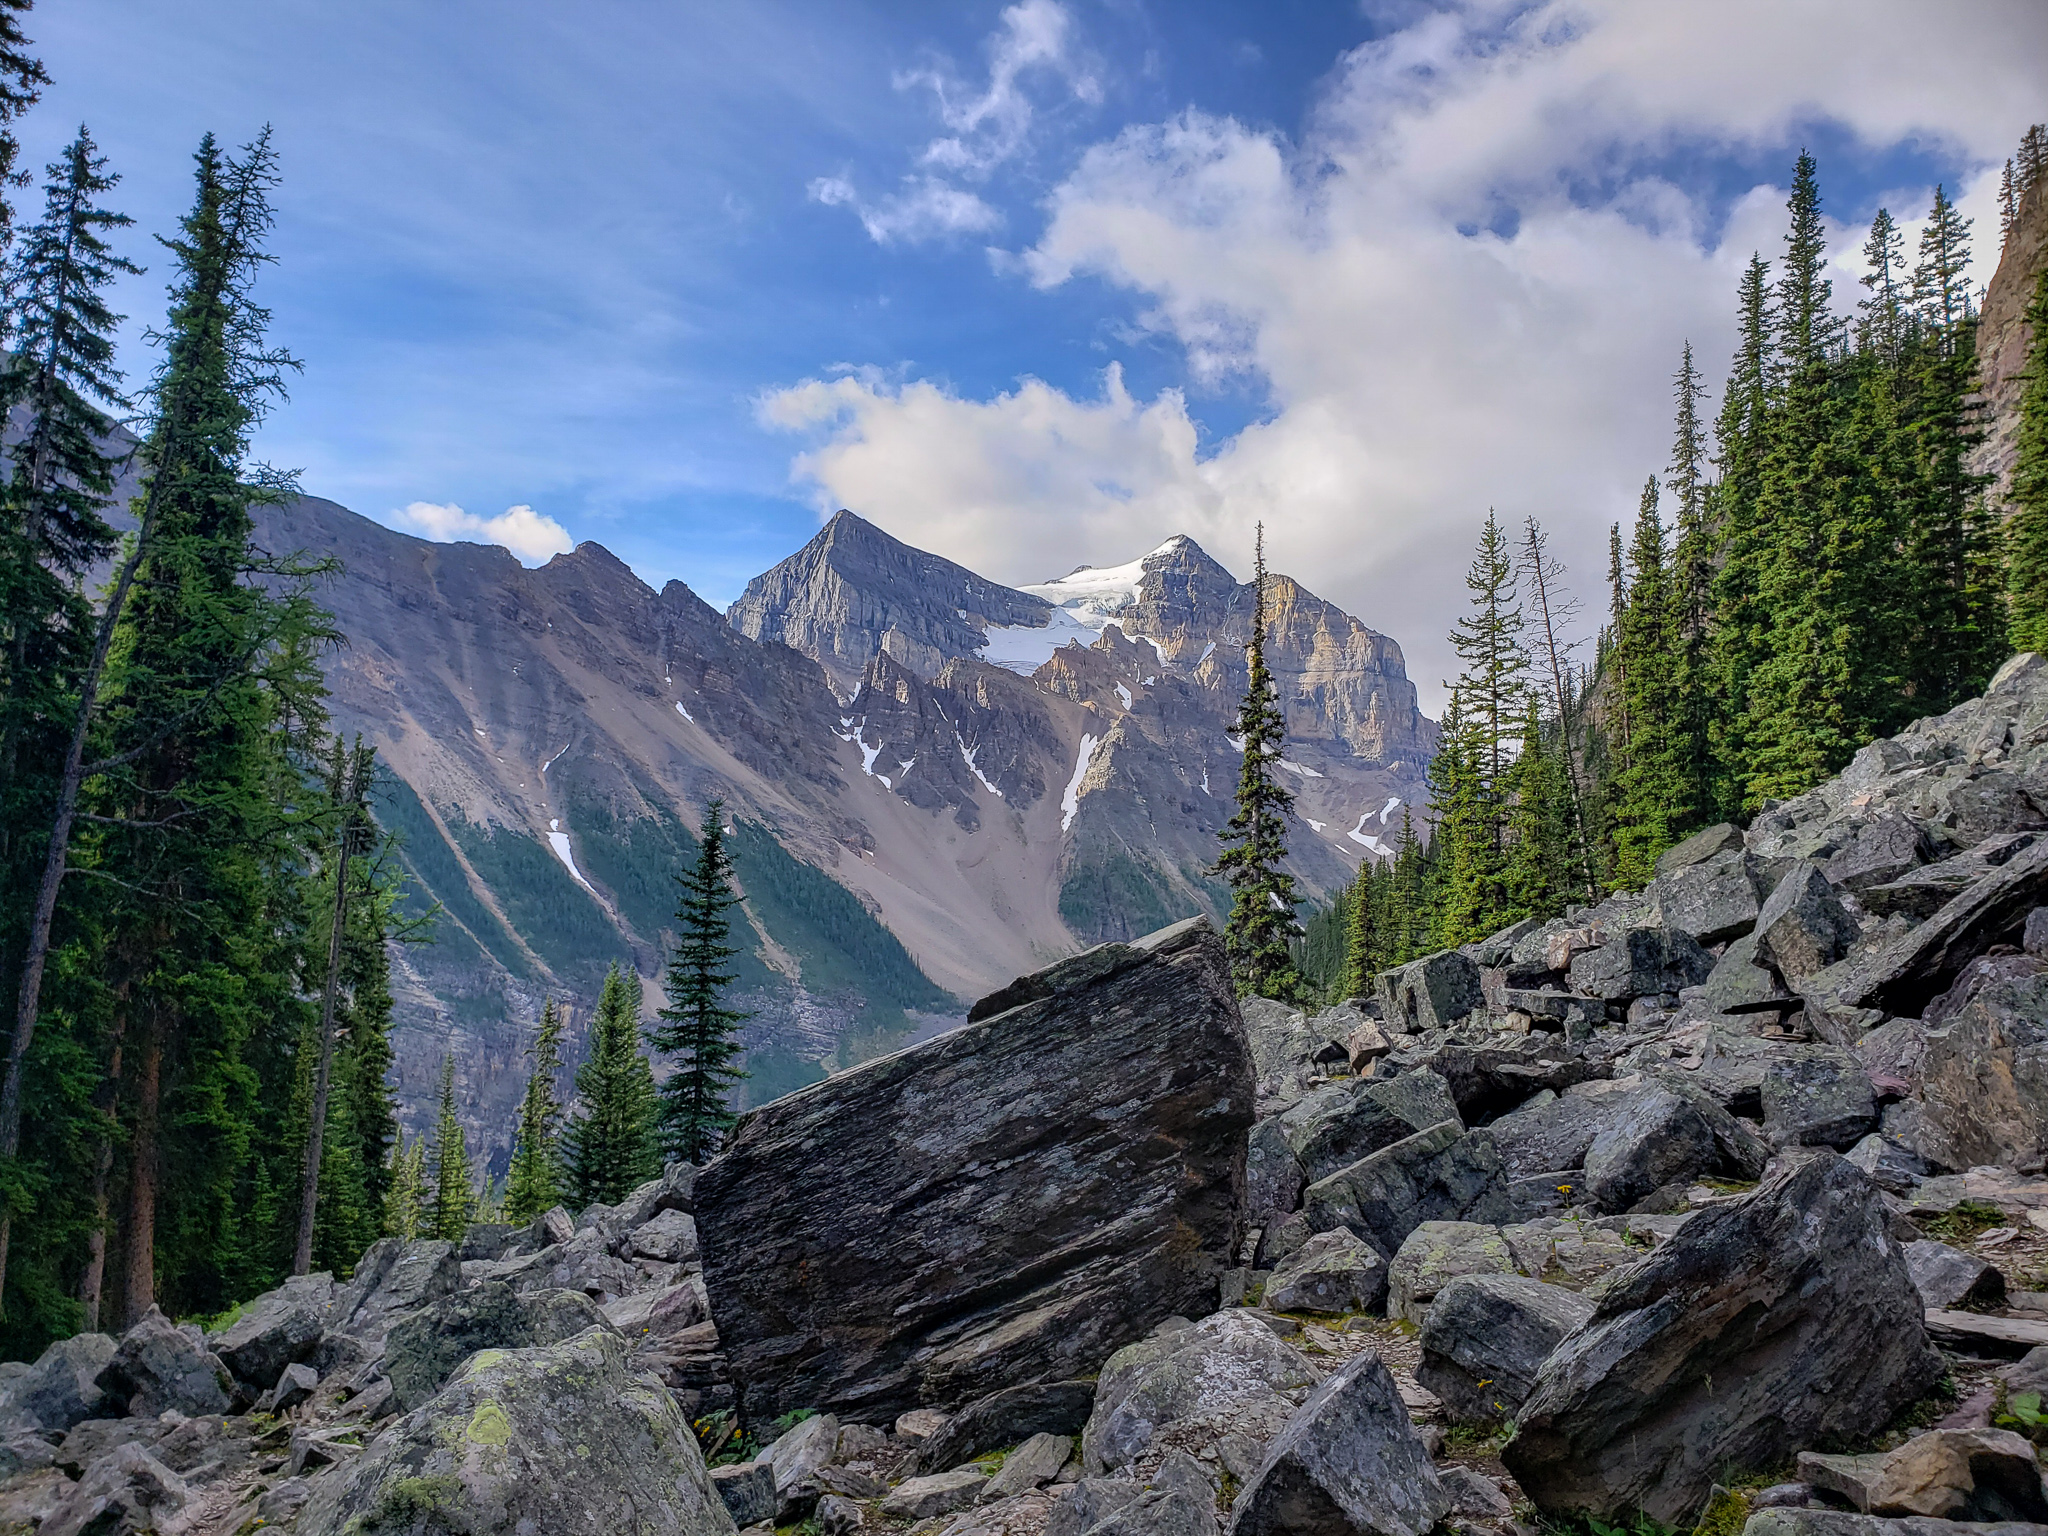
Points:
(553, 735)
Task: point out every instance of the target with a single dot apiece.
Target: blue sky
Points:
(1033, 284)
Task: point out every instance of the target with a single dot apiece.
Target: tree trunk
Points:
(316, 1132)
(139, 1288)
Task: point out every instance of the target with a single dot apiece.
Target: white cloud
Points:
(987, 126)
(530, 536)
(1419, 367)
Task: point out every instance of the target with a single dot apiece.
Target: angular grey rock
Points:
(1875, 850)
(487, 1240)
(1076, 1166)
(1573, 1254)
(747, 1489)
(1713, 900)
(1490, 1072)
(1347, 1462)
(797, 1458)
(295, 1383)
(940, 1493)
(1224, 1362)
(1331, 1272)
(392, 1278)
(2034, 937)
(1655, 1138)
(1949, 1278)
(1643, 961)
(1487, 1337)
(657, 1317)
(1985, 1074)
(1714, 1350)
(128, 1490)
(1554, 1012)
(670, 1237)
(1820, 1097)
(275, 1330)
(1908, 971)
(1430, 993)
(62, 1387)
(1435, 1254)
(1551, 1135)
(423, 1350)
(1803, 928)
(1830, 1522)
(839, 1516)
(1473, 1494)
(489, 1454)
(1272, 1176)
(1179, 1501)
(1441, 1174)
(1005, 1418)
(1891, 1167)
(1737, 983)
(1925, 891)
(1034, 1463)
(159, 1366)
(1962, 1474)
(1722, 837)
(1336, 1126)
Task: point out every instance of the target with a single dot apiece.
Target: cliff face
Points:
(2003, 338)
(854, 592)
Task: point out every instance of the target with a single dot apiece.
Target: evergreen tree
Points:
(1364, 943)
(21, 81)
(1692, 593)
(2027, 533)
(696, 1026)
(1263, 902)
(1555, 611)
(1541, 868)
(405, 1203)
(1411, 921)
(534, 1183)
(1653, 787)
(450, 1194)
(1886, 313)
(1941, 288)
(609, 1146)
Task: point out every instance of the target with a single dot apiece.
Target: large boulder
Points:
(559, 1438)
(1435, 1254)
(1486, 1338)
(1615, 1144)
(1985, 1072)
(1442, 1174)
(1331, 1272)
(1646, 961)
(277, 1329)
(1220, 1369)
(1430, 993)
(159, 1366)
(1803, 928)
(1784, 1318)
(1819, 1097)
(392, 1278)
(1004, 1204)
(1272, 1174)
(127, 1490)
(1348, 1463)
(1490, 1072)
(1336, 1126)
(62, 1388)
(423, 1350)
(1712, 900)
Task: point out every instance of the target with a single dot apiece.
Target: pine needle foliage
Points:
(450, 1196)
(609, 1147)
(1263, 900)
(2027, 580)
(696, 1026)
(534, 1183)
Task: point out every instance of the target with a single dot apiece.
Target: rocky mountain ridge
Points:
(913, 820)
(1638, 1214)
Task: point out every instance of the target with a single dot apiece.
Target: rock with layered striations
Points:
(1442, 1174)
(1429, 993)
(1348, 1463)
(1220, 1368)
(1784, 1318)
(1486, 1338)
(1337, 1125)
(1985, 1071)
(1005, 1204)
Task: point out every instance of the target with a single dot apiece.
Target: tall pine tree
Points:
(1263, 901)
(609, 1146)
(450, 1193)
(2027, 534)
(696, 1026)
(534, 1184)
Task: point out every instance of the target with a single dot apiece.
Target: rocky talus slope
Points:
(1721, 1204)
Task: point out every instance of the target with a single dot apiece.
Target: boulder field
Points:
(1719, 1204)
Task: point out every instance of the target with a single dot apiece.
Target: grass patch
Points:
(1472, 1440)
(1965, 1221)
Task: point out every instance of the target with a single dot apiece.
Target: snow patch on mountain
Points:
(559, 841)
(1070, 800)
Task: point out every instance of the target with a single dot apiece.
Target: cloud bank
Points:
(531, 537)
(1465, 286)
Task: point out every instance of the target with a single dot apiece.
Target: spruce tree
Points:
(22, 79)
(1541, 868)
(609, 1146)
(2027, 533)
(696, 1026)
(1263, 901)
(1692, 595)
(1364, 943)
(534, 1183)
(1886, 313)
(450, 1193)
(1555, 610)
(405, 1202)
